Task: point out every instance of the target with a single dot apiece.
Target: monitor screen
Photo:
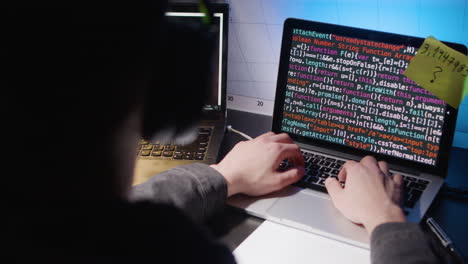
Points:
(214, 99)
(352, 92)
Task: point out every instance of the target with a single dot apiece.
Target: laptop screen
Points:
(351, 91)
(214, 99)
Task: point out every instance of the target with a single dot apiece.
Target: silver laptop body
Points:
(311, 50)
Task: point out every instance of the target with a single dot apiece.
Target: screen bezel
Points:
(214, 8)
(448, 129)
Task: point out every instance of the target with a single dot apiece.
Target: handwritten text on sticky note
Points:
(439, 69)
(465, 90)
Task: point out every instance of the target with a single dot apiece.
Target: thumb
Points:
(334, 190)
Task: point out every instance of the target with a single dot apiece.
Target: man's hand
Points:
(371, 196)
(251, 167)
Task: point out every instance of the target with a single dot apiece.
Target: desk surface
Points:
(233, 226)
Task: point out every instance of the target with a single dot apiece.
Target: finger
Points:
(398, 179)
(289, 176)
(398, 191)
(343, 172)
(280, 138)
(334, 190)
(290, 152)
(384, 168)
(370, 162)
(265, 135)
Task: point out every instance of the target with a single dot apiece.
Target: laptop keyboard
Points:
(318, 168)
(193, 151)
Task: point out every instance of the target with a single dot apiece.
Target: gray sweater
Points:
(200, 191)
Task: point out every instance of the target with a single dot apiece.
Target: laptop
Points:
(160, 154)
(341, 95)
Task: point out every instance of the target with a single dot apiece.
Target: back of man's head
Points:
(72, 76)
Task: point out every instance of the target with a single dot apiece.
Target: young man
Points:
(73, 111)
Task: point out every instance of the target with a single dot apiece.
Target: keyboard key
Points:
(423, 182)
(416, 194)
(168, 153)
(177, 156)
(417, 185)
(336, 166)
(323, 175)
(335, 172)
(321, 182)
(319, 157)
(204, 129)
(325, 169)
(201, 149)
(330, 159)
(187, 148)
(313, 167)
(169, 147)
(147, 147)
(158, 147)
(313, 179)
(156, 153)
(340, 162)
(203, 144)
(204, 133)
(413, 198)
(199, 156)
(188, 156)
(145, 152)
(314, 160)
(203, 139)
(312, 172)
(304, 178)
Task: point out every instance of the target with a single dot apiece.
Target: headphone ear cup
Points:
(181, 78)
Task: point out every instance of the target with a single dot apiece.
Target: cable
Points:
(230, 129)
(452, 193)
(460, 191)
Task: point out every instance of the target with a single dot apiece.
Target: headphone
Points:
(184, 55)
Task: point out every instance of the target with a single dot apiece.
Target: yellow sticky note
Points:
(465, 90)
(439, 69)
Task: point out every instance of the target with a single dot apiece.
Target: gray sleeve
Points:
(401, 243)
(197, 189)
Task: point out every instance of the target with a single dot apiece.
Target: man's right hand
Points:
(371, 196)
(251, 167)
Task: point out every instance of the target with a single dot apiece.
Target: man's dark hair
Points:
(71, 77)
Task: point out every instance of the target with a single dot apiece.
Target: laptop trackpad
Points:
(314, 212)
